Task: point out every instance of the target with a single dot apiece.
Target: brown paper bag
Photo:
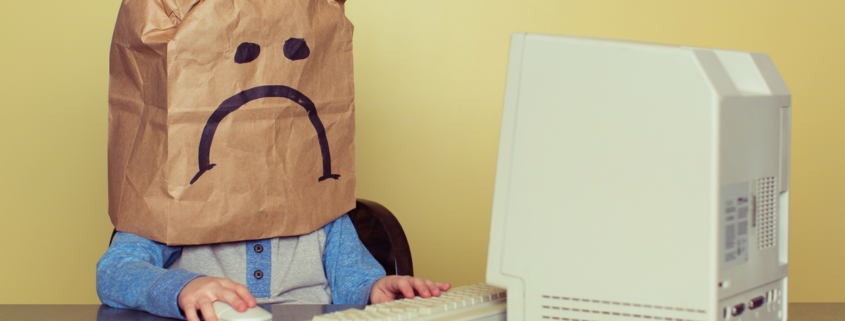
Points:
(230, 120)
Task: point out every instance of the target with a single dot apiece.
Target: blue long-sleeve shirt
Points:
(133, 272)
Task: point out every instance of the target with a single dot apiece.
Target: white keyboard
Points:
(473, 302)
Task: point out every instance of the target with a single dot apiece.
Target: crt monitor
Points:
(641, 181)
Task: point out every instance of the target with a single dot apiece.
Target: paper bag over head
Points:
(230, 120)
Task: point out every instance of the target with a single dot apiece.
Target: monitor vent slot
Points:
(766, 212)
(580, 309)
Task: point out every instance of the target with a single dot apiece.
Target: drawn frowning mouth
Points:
(232, 104)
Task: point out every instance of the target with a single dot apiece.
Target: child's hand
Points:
(198, 295)
(393, 287)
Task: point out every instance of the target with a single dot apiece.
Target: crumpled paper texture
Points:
(172, 67)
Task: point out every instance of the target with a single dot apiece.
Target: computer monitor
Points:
(640, 181)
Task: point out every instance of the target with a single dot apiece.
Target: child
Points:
(330, 265)
(279, 168)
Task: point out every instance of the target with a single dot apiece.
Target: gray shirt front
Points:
(296, 275)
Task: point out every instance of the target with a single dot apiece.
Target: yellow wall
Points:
(430, 77)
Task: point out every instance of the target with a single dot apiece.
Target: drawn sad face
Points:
(270, 84)
(294, 49)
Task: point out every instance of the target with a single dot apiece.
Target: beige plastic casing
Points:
(612, 159)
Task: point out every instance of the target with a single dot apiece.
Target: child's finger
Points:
(432, 287)
(244, 294)
(208, 311)
(443, 286)
(421, 287)
(191, 313)
(405, 288)
(232, 298)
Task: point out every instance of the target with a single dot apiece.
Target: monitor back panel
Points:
(619, 171)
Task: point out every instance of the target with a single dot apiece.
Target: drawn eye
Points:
(247, 52)
(296, 49)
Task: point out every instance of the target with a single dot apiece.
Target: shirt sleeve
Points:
(350, 268)
(132, 274)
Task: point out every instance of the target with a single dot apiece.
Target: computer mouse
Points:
(226, 312)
